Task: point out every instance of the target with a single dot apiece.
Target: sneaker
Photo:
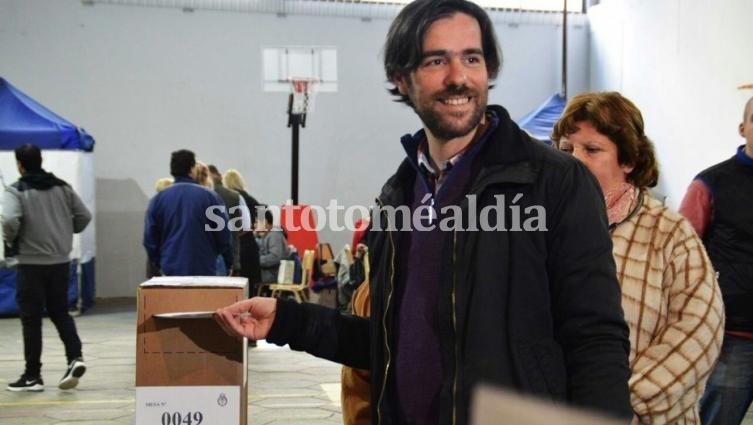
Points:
(75, 370)
(26, 383)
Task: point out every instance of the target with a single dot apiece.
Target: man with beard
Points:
(534, 310)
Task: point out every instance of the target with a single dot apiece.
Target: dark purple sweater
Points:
(418, 363)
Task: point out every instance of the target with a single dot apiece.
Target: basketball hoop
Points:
(302, 93)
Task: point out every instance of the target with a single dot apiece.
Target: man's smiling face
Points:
(449, 89)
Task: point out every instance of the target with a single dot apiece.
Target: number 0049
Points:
(176, 418)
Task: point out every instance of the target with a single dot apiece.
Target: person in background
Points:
(273, 247)
(41, 213)
(348, 260)
(249, 250)
(232, 179)
(239, 217)
(670, 296)
(715, 205)
(161, 184)
(201, 175)
(180, 236)
(355, 395)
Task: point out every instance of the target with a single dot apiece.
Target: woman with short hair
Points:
(670, 296)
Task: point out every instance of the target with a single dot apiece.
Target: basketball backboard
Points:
(282, 64)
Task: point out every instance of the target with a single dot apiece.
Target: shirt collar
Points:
(424, 163)
(416, 146)
(184, 179)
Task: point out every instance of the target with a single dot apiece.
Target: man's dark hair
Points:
(29, 156)
(181, 163)
(268, 217)
(403, 48)
(215, 175)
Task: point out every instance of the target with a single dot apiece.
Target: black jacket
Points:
(729, 237)
(535, 311)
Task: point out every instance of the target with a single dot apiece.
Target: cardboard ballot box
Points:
(188, 370)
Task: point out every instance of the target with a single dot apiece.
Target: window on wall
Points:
(535, 5)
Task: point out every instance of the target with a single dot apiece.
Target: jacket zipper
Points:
(455, 329)
(384, 318)
(474, 191)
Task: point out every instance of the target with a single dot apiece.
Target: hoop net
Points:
(303, 91)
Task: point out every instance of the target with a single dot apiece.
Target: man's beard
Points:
(447, 129)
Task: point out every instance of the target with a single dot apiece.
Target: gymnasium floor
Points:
(285, 387)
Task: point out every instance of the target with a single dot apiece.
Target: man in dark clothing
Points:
(236, 208)
(185, 227)
(40, 214)
(715, 206)
(490, 254)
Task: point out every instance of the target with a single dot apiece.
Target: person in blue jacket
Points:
(185, 228)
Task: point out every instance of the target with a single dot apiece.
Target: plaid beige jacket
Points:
(674, 308)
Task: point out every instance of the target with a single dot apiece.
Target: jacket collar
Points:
(742, 158)
(505, 158)
(185, 179)
(39, 180)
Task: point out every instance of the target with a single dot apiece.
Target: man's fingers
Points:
(220, 319)
(226, 321)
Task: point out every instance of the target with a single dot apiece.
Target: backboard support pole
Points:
(295, 122)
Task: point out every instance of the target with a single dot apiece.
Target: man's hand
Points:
(250, 318)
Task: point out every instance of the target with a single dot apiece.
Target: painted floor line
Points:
(60, 402)
(255, 397)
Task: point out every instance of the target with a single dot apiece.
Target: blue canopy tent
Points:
(67, 148)
(24, 120)
(540, 122)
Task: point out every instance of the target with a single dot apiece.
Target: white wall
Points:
(680, 61)
(147, 81)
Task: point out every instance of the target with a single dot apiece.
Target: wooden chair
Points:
(299, 290)
(281, 278)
